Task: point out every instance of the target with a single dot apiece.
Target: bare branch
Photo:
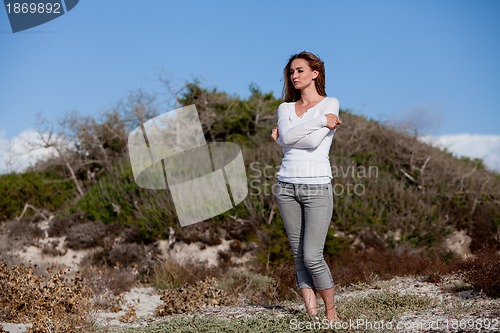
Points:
(26, 206)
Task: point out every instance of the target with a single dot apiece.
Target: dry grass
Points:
(56, 302)
(168, 274)
(364, 266)
(108, 285)
(191, 298)
(60, 303)
(251, 288)
(284, 277)
(23, 232)
(483, 272)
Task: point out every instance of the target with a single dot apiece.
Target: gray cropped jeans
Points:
(306, 210)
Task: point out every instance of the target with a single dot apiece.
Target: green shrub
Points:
(42, 190)
(116, 198)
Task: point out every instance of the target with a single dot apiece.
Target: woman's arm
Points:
(311, 140)
(291, 134)
(310, 134)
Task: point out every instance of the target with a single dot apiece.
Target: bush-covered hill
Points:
(391, 190)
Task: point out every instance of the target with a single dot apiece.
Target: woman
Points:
(307, 120)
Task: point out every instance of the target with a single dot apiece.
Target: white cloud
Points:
(485, 147)
(4, 144)
(20, 152)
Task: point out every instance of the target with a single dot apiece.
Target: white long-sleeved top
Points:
(306, 143)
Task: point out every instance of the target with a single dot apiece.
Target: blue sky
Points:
(435, 62)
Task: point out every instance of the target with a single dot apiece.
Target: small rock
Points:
(469, 294)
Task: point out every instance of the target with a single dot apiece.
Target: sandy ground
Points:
(15, 328)
(142, 301)
(454, 308)
(139, 304)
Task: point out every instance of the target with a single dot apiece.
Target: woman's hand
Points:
(275, 134)
(332, 121)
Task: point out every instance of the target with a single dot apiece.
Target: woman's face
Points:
(301, 75)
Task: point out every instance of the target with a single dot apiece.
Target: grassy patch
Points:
(382, 306)
(385, 306)
(200, 324)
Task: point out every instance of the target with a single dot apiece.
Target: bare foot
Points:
(310, 301)
(328, 299)
(313, 312)
(332, 316)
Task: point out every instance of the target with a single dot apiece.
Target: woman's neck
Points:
(309, 96)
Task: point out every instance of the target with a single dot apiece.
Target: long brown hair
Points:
(290, 94)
